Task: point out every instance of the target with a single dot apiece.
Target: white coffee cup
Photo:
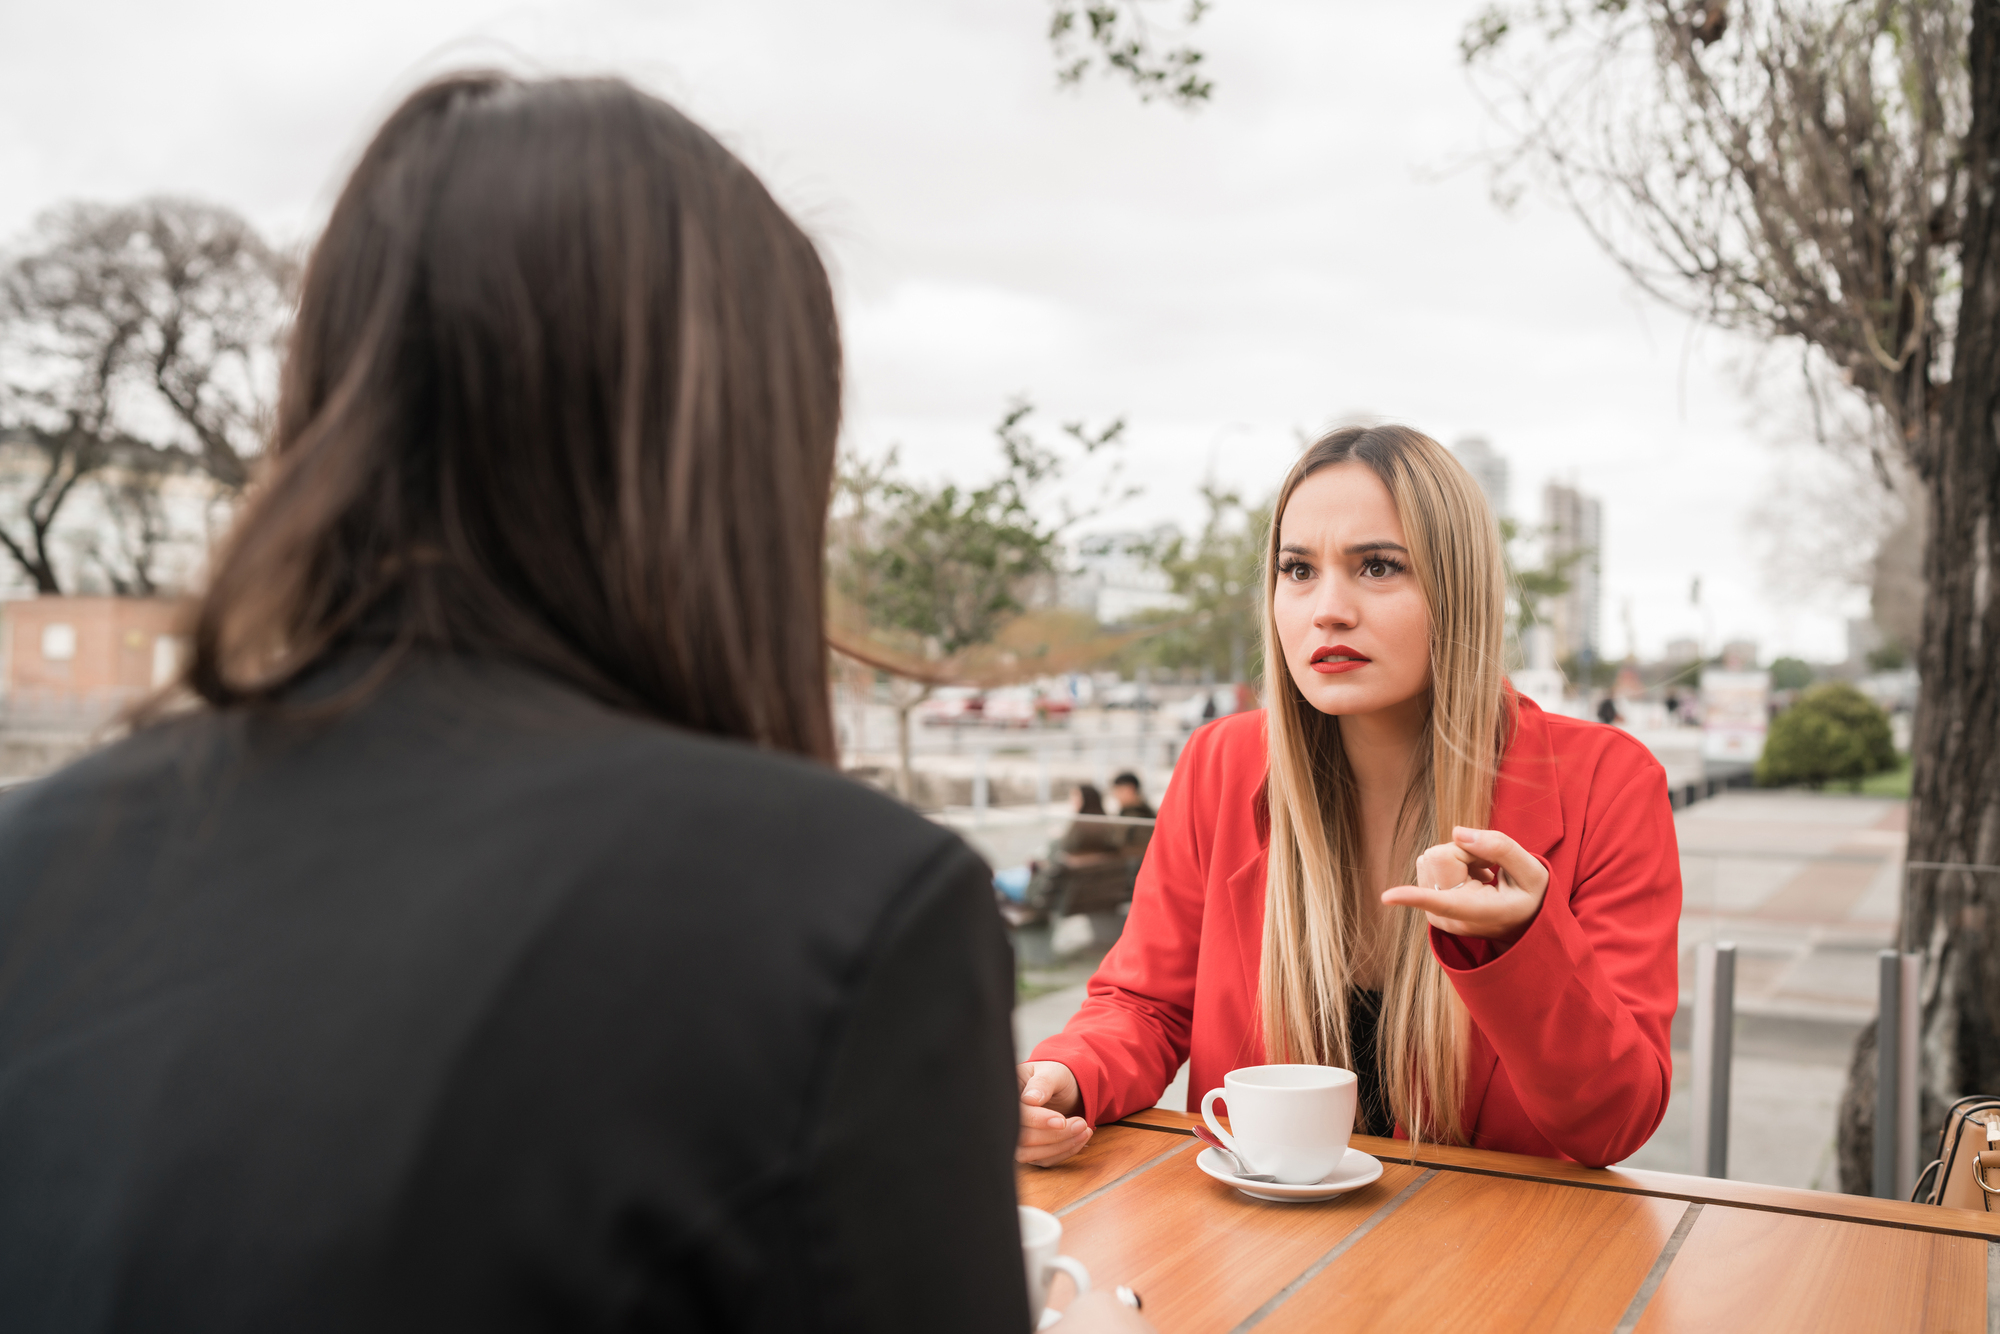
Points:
(1291, 1121)
(1041, 1234)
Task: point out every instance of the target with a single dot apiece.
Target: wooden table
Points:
(1465, 1239)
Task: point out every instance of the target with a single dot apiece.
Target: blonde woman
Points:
(1398, 866)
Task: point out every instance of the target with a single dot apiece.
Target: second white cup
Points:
(1041, 1237)
(1292, 1121)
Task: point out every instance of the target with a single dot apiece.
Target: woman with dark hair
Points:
(444, 967)
(1092, 839)
(1086, 842)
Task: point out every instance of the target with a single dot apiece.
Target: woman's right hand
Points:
(1050, 1129)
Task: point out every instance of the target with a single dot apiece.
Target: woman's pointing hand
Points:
(1481, 884)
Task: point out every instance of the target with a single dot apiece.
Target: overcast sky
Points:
(1316, 243)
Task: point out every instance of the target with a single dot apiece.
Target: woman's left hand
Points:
(1481, 884)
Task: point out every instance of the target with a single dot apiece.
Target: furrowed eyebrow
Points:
(1358, 549)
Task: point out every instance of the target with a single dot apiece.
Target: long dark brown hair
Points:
(563, 388)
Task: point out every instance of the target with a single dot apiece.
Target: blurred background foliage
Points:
(1833, 733)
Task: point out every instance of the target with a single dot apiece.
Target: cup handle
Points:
(1208, 1115)
(1074, 1268)
(1077, 1274)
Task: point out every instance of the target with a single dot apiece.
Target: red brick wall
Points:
(116, 648)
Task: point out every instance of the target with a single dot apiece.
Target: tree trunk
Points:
(34, 562)
(906, 775)
(904, 696)
(43, 572)
(1953, 916)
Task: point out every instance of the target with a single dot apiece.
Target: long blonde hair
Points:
(1311, 896)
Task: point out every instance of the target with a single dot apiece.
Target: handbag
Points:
(1966, 1172)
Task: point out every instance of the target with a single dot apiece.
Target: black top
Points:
(1138, 836)
(484, 1007)
(1371, 1107)
(1088, 838)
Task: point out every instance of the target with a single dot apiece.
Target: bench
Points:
(1100, 891)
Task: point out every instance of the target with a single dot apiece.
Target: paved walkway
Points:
(1807, 886)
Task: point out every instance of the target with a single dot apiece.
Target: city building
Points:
(1681, 651)
(1117, 577)
(1735, 715)
(1488, 467)
(1739, 655)
(1573, 528)
(1863, 638)
(86, 657)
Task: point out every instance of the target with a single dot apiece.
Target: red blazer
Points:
(1569, 1042)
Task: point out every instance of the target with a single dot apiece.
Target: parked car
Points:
(1124, 695)
(1216, 702)
(952, 706)
(1012, 707)
(1023, 706)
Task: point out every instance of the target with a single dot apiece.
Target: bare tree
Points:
(1826, 524)
(139, 527)
(217, 299)
(1825, 173)
(39, 470)
(63, 359)
(152, 326)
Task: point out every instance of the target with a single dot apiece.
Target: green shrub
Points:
(1833, 733)
(1891, 657)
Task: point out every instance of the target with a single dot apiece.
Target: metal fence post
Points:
(1888, 1069)
(1714, 1044)
(1908, 1129)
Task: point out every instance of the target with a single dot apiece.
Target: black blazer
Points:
(484, 1007)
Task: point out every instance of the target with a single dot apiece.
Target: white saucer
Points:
(1356, 1170)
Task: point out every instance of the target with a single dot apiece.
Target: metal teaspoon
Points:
(1207, 1136)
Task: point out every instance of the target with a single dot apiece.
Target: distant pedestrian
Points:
(1607, 711)
(1132, 803)
(1091, 839)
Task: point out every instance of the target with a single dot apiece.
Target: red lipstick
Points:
(1332, 658)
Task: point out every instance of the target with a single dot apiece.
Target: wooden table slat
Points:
(1745, 1269)
(1668, 1185)
(1204, 1256)
(1486, 1253)
(1467, 1238)
(1113, 1152)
